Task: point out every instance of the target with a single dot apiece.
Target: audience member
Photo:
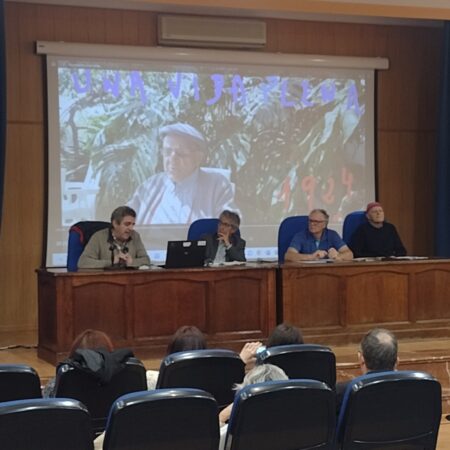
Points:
(186, 338)
(118, 245)
(184, 192)
(88, 339)
(259, 374)
(285, 334)
(282, 334)
(317, 241)
(378, 353)
(225, 245)
(376, 237)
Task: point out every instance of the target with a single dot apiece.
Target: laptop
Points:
(182, 254)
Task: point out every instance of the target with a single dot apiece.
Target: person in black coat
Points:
(376, 237)
(225, 245)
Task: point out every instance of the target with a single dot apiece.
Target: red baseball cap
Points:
(372, 205)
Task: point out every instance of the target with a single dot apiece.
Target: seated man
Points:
(225, 245)
(184, 192)
(378, 353)
(118, 245)
(317, 241)
(376, 237)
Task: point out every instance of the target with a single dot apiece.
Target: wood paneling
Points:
(142, 309)
(406, 116)
(338, 303)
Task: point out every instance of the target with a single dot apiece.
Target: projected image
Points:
(181, 143)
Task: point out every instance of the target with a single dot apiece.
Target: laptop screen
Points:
(185, 254)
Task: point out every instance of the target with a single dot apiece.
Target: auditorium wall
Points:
(406, 118)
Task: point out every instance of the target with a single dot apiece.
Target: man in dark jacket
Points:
(376, 237)
(225, 245)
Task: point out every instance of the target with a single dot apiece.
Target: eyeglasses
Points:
(316, 222)
(182, 154)
(226, 224)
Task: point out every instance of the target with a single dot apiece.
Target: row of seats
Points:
(213, 370)
(81, 232)
(390, 410)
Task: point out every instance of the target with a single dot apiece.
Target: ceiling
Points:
(429, 12)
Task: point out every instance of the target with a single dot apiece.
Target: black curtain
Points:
(442, 219)
(2, 106)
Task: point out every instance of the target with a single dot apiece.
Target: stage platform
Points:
(428, 355)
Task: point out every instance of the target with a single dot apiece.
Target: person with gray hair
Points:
(259, 374)
(225, 245)
(185, 191)
(118, 245)
(317, 241)
(378, 353)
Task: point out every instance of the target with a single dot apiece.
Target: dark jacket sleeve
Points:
(237, 250)
(399, 248)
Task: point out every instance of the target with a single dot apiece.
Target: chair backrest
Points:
(79, 235)
(202, 226)
(288, 227)
(351, 222)
(18, 381)
(165, 419)
(386, 408)
(214, 371)
(283, 415)
(75, 383)
(312, 361)
(45, 424)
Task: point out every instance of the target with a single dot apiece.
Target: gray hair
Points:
(232, 217)
(321, 211)
(122, 211)
(261, 374)
(379, 348)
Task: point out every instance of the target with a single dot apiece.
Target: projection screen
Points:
(282, 134)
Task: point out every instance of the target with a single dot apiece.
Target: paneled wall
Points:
(406, 123)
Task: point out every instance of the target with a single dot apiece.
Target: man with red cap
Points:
(376, 237)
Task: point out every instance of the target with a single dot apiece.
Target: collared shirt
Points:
(305, 242)
(220, 254)
(205, 193)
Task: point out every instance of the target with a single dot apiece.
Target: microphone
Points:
(122, 262)
(111, 249)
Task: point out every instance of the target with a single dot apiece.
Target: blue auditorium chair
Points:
(283, 415)
(79, 235)
(288, 228)
(45, 424)
(311, 361)
(202, 226)
(390, 410)
(73, 382)
(212, 370)
(351, 222)
(163, 419)
(18, 382)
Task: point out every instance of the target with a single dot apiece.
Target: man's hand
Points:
(224, 237)
(333, 253)
(126, 258)
(319, 254)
